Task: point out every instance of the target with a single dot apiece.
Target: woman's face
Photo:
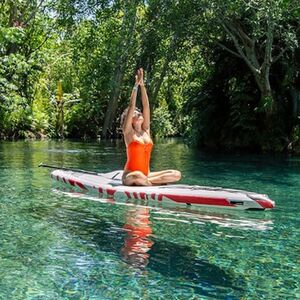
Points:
(137, 117)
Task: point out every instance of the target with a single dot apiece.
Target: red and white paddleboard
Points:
(110, 184)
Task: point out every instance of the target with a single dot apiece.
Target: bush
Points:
(161, 124)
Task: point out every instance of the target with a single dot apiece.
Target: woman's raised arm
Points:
(145, 102)
(127, 125)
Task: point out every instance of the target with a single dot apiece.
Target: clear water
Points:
(58, 245)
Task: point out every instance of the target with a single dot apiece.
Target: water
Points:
(57, 245)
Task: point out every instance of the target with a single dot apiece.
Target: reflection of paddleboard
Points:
(111, 184)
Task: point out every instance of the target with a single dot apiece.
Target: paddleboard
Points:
(110, 184)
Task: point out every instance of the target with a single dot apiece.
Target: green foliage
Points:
(162, 124)
(15, 107)
(208, 71)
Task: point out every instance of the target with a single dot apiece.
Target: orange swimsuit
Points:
(138, 157)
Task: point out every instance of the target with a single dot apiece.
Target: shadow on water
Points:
(135, 244)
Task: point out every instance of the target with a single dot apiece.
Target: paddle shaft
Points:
(68, 169)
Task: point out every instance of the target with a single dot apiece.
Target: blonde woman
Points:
(136, 131)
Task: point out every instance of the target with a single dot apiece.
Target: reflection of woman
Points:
(136, 131)
(137, 242)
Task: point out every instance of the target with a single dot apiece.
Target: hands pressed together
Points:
(139, 77)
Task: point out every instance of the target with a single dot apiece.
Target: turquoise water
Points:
(57, 245)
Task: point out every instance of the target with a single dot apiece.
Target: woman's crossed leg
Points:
(154, 178)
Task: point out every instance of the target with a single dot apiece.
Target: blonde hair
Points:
(124, 114)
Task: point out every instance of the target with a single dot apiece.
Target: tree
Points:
(123, 48)
(259, 33)
(21, 35)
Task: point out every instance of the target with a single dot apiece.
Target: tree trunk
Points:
(295, 94)
(263, 82)
(12, 47)
(154, 90)
(155, 86)
(128, 25)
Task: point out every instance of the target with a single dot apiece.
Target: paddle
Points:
(77, 170)
(68, 169)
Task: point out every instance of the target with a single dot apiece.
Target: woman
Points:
(136, 131)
